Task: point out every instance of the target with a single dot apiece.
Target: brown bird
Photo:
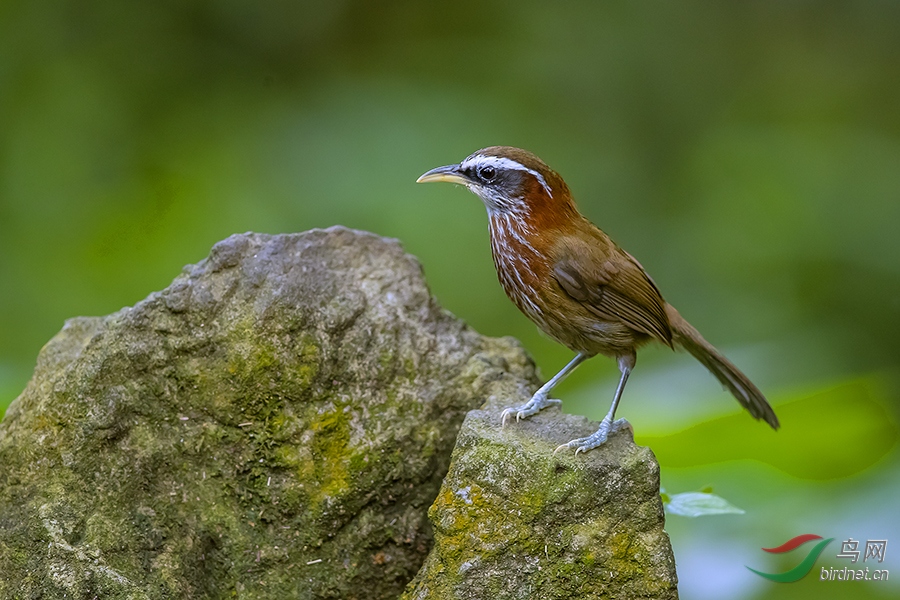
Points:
(575, 283)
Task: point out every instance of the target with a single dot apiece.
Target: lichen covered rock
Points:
(514, 520)
(274, 424)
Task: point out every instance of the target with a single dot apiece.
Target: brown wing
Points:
(612, 285)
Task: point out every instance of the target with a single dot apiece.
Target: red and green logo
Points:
(805, 566)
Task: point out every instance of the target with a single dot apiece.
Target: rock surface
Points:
(274, 424)
(513, 520)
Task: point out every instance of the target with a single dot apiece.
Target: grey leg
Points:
(607, 425)
(541, 397)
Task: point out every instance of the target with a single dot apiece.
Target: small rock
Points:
(514, 520)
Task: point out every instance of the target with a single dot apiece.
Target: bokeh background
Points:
(747, 153)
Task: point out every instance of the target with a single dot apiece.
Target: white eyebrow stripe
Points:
(505, 163)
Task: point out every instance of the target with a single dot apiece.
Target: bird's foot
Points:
(597, 438)
(538, 402)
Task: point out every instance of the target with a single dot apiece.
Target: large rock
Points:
(273, 424)
(276, 423)
(513, 520)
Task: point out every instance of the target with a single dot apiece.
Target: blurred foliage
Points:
(850, 414)
(697, 504)
(747, 153)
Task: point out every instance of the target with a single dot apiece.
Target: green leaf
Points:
(836, 431)
(698, 504)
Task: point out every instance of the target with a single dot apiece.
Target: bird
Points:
(576, 284)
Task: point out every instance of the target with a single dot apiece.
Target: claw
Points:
(534, 405)
(597, 438)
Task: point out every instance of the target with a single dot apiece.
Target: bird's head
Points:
(508, 180)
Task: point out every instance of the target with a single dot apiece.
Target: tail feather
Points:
(684, 335)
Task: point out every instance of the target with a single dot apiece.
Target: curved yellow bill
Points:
(449, 173)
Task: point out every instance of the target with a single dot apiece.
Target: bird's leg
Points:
(607, 425)
(541, 397)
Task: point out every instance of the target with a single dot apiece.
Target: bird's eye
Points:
(487, 173)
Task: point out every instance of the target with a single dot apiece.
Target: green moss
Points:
(309, 357)
(386, 357)
(513, 520)
(409, 366)
(329, 448)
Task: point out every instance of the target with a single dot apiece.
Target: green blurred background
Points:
(747, 153)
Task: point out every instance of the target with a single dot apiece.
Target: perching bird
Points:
(575, 283)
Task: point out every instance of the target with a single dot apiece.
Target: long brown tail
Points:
(684, 335)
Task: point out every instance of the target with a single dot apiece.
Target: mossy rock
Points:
(513, 520)
(274, 424)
